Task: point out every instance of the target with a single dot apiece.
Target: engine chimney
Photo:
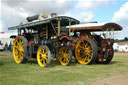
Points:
(53, 14)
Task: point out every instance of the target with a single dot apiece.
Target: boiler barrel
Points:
(45, 42)
(31, 18)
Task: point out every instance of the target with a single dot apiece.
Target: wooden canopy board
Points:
(96, 27)
(64, 20)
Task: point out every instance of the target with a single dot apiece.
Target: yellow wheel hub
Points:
(83, 52)
(42, 56)
(63, 55)
(18, 50)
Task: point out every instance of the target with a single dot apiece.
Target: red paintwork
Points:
(103, 45)
(85, 35)
(30, 42)
(64, 38)
(97, 27)
(23, 34)
(69, 44)
(100, 56)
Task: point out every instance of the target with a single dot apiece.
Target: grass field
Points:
(56, 74)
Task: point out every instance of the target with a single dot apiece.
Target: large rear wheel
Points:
(43, 56)
(20, 50)
(64, 55)
(86, 51)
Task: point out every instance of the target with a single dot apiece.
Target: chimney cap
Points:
(53, 14)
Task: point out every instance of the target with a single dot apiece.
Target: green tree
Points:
(126, 38)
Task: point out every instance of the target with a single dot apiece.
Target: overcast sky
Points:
(13, 12)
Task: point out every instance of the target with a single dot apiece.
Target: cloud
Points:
(39, 6)
(87, 7)
(13, 12)
(1, 26)
(85, 16)
(11, 17)
(91, 4)
(121, 17)
(122, 14)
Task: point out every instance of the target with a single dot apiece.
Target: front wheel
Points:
(20, 50)
(43, 56)
(64, 55)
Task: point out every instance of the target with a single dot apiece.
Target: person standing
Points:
(6, 46)
(10, 47)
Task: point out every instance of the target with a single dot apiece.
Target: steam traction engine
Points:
(89, 47)
(63, 37)
(42, 39)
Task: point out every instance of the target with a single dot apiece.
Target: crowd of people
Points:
(6, 47)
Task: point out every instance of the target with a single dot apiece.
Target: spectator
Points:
(6, 47)
(10, 47)
(0, 43)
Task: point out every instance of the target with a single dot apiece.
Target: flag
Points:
(2, 32)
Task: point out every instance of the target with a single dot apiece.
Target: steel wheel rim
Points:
(18, 50)
(63, 55)
(42, 56)
(83, 52)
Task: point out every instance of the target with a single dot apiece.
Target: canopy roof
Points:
(35, 25)
(96, 27)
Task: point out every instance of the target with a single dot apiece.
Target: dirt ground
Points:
(121, 79)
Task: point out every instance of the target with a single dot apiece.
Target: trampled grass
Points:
(56, 74)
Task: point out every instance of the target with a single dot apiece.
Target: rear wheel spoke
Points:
(84, 53)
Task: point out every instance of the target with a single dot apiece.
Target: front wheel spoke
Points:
(41, 59)
(19, 55)
(16, 42)
(67, 59)
(63, 51)
(43, 51)
(21, 48)
(21, 51)
(44, 56)
(44, 62)
(16, 47)
(63, 59)
(66, 55)
(61, 55)
(21, 43)
(66, 51)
